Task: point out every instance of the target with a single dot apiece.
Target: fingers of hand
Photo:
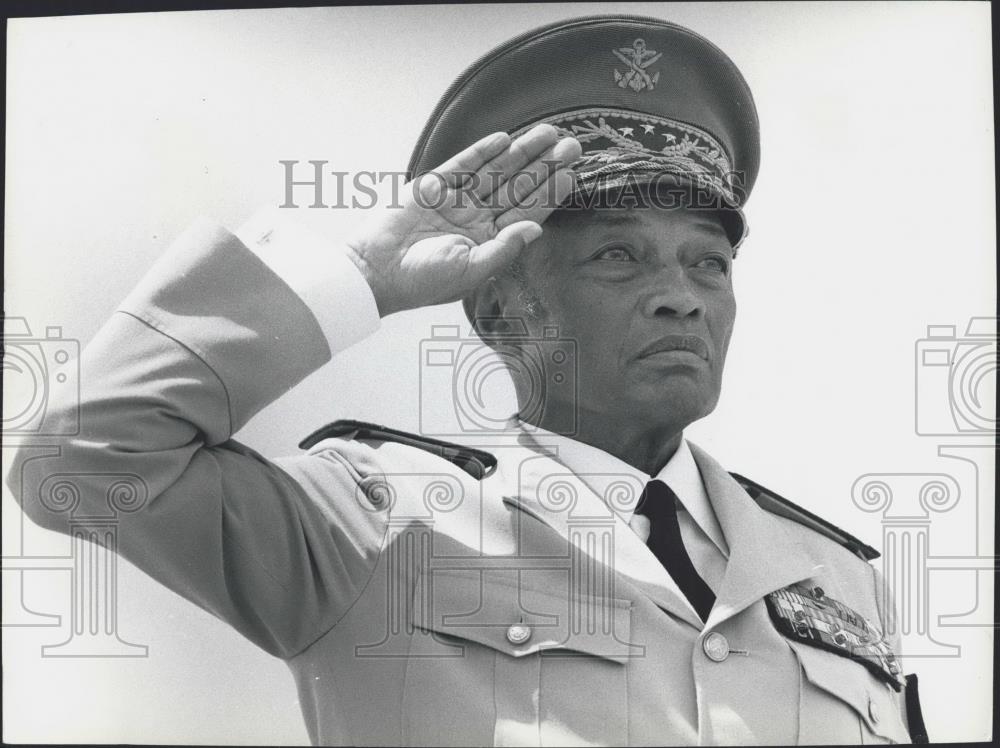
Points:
(526, 181)
(491, 257)
(459, 169)
(539, 204)
(524, 151)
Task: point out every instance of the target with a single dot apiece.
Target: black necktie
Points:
(659, 503)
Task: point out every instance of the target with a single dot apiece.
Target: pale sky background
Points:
(872, 218)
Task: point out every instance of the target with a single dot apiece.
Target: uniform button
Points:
(518, 633)
(716, 646)
(873, 710)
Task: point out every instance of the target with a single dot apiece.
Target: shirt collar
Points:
(680, 473)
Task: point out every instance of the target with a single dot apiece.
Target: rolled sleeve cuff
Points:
(319, 272)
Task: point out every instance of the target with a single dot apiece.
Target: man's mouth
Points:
(688, 343)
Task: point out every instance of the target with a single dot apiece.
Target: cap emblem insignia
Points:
(638, 59)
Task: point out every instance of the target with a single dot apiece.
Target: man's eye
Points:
(715, 262)
(615, 254)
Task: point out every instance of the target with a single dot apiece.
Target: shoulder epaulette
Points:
(475, 462)
(771, 502)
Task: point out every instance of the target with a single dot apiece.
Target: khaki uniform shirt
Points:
(413, 603)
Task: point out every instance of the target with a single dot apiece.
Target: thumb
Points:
(492, 256)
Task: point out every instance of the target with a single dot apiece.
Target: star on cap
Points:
(617, 105)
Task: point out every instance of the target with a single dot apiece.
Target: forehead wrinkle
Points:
(706, 221)
(610, 217)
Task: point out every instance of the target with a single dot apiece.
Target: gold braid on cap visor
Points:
(619, 145)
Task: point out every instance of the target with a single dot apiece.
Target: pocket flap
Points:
(873, 700)
(521, 612)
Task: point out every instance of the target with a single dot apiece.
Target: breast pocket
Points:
(504, 657)
(842, 702)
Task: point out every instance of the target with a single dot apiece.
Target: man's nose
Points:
(669, 294)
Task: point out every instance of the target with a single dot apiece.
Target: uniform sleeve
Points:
(310, 267)
(209, 337)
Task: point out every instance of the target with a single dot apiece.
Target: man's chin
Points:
(675, 403)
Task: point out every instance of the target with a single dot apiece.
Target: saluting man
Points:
(596, 579)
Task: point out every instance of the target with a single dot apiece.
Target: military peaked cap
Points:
(646, 99)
